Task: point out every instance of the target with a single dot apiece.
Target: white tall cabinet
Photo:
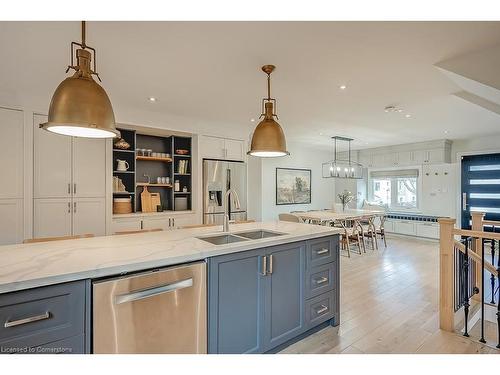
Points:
(12, 167)
(69, 185)
(222, 148)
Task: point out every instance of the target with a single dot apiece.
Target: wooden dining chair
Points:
(352, 236)
(137, 231)
(368, 230)
(62, 238)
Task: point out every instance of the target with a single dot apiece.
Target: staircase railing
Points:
(462, 268)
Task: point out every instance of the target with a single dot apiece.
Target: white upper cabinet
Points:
(12, 153)
(391, 158)
(212, 147)
(234, 149)
(378, 160)
(66, 166)
(222, 148)
(52, 163)
(89, 171)
(404, 158)
(11, 221)
(435, 152)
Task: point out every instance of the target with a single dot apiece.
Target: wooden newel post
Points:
(446, 309)
(477, 224)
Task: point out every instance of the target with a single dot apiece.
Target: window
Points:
(397, 189)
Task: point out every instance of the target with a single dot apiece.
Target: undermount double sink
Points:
(227, 238)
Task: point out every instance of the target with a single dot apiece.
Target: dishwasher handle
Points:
(151, 292)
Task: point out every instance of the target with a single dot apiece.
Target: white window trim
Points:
(417, 209)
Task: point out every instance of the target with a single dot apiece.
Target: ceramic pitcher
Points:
(122, 165)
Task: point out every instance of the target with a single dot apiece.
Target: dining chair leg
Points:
(374, 241)
(361, 243)
(383, 236)
(348, 247)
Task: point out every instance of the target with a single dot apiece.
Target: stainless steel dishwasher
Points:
(161, 311)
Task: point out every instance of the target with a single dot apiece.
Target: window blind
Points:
(394, 173)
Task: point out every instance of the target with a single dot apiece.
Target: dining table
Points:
(326, 216)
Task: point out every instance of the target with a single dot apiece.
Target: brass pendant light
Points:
(80, 107)
(268, 139)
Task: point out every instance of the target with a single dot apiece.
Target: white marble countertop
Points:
(32, 265)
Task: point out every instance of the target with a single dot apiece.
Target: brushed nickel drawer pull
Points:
(322, 309)
(31, 319)
(321, 280)
(151, 292)
(322, 251)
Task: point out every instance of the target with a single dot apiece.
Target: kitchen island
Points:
(240, 275)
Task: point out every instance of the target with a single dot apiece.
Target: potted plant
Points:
(345, 198)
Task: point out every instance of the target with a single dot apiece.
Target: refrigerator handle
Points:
(228, 186)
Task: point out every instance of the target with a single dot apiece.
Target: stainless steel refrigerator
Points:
(218, 177)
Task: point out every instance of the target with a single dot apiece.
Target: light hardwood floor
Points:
(389, 304)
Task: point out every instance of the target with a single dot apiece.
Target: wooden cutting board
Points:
(146, 200)
(155, 200)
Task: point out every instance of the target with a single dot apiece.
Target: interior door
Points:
(52, 159)
(89, 167)
(89, 216)
(52, 217)
(284, 294)
(480, 187)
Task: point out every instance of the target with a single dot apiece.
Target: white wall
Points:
(322, 193)
(473, 145)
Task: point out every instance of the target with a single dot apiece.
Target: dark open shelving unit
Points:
(134, 179)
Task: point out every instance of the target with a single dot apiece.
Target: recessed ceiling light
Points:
(252, 120)
(320, 133)
(342, 87)
(446, 132)
(152, 99)
(407, 116)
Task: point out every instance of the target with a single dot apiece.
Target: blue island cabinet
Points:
(257, 299)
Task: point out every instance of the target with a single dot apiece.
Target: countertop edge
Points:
(118, 270)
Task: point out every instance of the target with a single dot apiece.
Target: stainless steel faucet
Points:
(236, 202)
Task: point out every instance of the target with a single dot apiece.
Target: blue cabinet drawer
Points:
(43, 315)
(319, 309)
(321, 251)
(320, 279)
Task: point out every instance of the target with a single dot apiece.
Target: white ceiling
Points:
(210, 72)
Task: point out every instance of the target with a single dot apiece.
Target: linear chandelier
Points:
(342, 168)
